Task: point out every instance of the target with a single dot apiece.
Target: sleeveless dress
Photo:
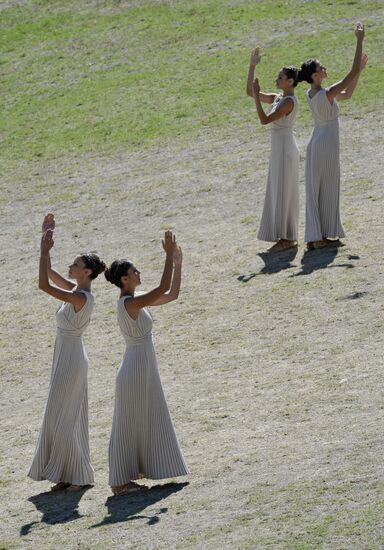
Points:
(322, 171)
(143, 441)
(62, 452)
(280, 216)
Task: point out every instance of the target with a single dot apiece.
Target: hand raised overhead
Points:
(256, 86)
(48, 223)
(255, 56)
(47, 241)
(359, 31)
(169, 242)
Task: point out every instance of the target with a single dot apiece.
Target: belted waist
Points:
(138, 340)
(68, 333)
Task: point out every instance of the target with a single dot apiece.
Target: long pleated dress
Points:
(143, 441)
(62, 452)
(322, 171)
(280, 216)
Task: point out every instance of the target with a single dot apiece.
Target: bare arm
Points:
(49, 225)
(135, 304)
(255, 60)
(336, 89)
(282, 110)
(77, 299)
(58, 279)
(173, 294)
(348, 92)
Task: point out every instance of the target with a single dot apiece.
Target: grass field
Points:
(126, 118)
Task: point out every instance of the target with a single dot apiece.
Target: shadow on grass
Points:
(56, 507)
(128, 507)
(313, 260)
(274, 262)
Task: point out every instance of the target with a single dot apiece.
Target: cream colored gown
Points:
(62, 452)
(280, 216)
(143, 441)
(322, 171)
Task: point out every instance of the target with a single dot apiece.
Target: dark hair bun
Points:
(291, 72)
(306, 71)
(93, 262)
(117, 269)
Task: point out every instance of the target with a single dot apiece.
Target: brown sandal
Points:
(130, 487)
(61, 486)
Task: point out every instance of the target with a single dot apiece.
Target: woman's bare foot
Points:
(61, 486)
(130, 487)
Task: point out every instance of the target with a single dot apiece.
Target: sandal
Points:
(61, 486)
(128, 488)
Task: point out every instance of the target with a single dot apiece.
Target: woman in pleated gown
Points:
(143, 441)
(62, 453)
(279, 221)
(323, 225)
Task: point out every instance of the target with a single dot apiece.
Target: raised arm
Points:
(336, 89)
(56, 278)
(282, 110)
(348, 92)
(173, 294)
(135, 304)
(77, 299)
(255, 60)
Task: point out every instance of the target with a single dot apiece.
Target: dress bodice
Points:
(73, 323)
(135, 331)
(285, 122)
(323, 112)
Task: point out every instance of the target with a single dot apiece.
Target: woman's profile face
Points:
(321, 71)
(76, 269)
(133, 276)
(282, 81)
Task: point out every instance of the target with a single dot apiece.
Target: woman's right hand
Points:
(359, 31)
(169, 242)
(255, 56)
(48, 223)
(47, 242)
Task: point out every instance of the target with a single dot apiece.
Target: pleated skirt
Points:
(62, 451)
(322, 184)
(143, 440)
(280, 216)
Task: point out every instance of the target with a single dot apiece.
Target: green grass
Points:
(104, 77)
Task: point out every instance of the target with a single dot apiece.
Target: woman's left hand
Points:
(364, 61)
(256, 86)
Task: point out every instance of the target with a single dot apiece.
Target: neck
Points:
(127, 292)
(289, 92)
(315, 86)
(83, 286)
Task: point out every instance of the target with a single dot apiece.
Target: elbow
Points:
(164, 287)
(264, 122)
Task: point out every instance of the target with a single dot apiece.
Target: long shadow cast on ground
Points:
(274, 262)
(56, 507)
(128, 507)
(313, 260)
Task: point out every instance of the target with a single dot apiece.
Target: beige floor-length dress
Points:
(62, 452)
(322, 171)
(280, 216)
(143, 441)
